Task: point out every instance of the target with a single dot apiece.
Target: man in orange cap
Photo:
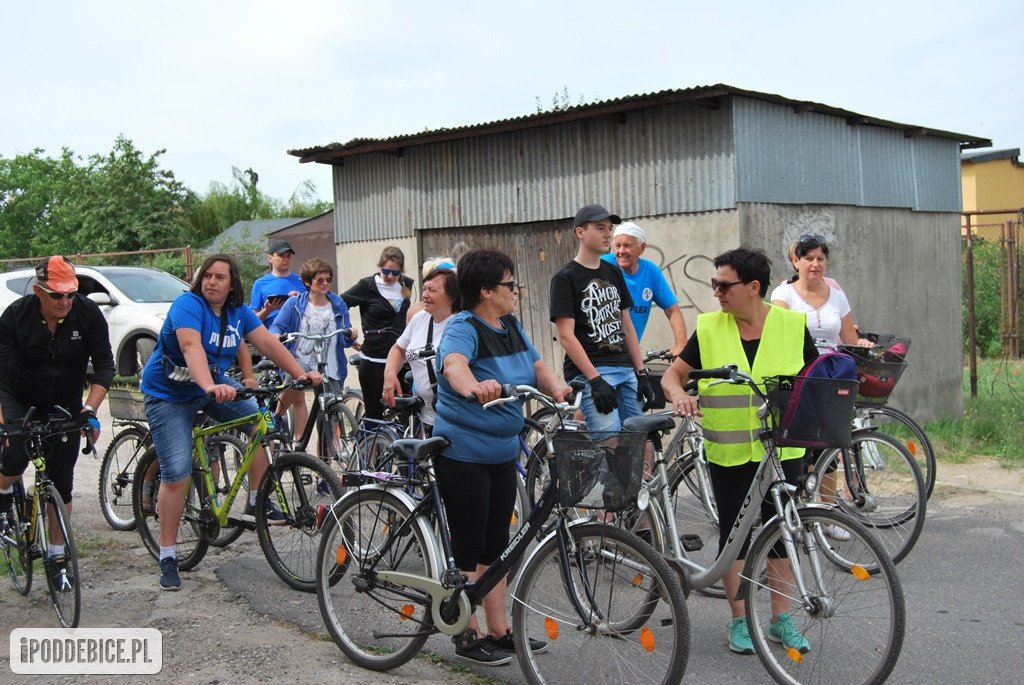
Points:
(46, 342)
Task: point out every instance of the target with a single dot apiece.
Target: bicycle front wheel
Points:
(14, 546)
(190, 545)
(379, 625)
(62, 567)
(303, 487)
(338, 436)
(852, 619)
(885, 491)
(116, 470)
(616, 616)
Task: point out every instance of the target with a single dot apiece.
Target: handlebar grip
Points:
(507, 392)
(720, 372)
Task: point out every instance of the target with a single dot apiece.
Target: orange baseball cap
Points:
(56, 274)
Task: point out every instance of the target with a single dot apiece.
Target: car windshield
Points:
(146, 285)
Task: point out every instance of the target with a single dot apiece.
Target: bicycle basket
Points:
(599, 470)
(126, 404)
(877, 372)
(811, 412)
(657, 370)
(887, 341)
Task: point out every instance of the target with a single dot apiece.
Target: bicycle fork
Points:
(819, 604)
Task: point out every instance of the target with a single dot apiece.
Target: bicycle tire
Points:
(67, 596)
(895, 504)
(15, 546)
(226, 453)
(922, 450)
(352, 398)
(116, 471)
(373, 452)
(337, 436)
(696, 522)
(191, 545)
(618, 573)
(377, 625)
(853, 620)
(291, 547)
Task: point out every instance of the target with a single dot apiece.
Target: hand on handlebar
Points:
(313, 377)
(487, 391)
(391, 388)
(685, 405)
(222, 392)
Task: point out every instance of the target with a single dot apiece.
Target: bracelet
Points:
(643, 372)
(88, 407)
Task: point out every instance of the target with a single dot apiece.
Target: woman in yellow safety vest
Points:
(762, 340)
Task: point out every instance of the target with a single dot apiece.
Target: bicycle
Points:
(609, 606)
(37, 520)
(291, 479)
(844, 596)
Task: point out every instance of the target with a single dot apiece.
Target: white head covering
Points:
(629, 228)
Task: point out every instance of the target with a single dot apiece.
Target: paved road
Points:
(962, 585)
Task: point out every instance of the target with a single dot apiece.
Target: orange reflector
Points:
(647, 639)
(551, 628)
(794, 654)
(340, 555)
(860, 572)
(912, 446)
(514, 517)
(638, 580)
(407, 611)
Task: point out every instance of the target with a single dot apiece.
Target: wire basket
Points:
(599, 470)
(126, 404)
(811, 412)
(877, 371)
(898, 345)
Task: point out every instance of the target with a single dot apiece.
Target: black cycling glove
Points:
(644, 391)
(604, 395)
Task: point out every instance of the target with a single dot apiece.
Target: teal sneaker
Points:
(739, 636)
(785, 633)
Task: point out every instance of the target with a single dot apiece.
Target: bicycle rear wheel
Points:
(920, 445)
(226, 452)
(852, 618)
(378, 625)
(633, 626)
(338, 439)
(116, 472)
(14, 545)
(61, 568)
(308, 487)
(190, 545)
(886, 475)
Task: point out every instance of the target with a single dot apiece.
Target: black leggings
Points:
(478, 501)
(371, 380)
(730, 485)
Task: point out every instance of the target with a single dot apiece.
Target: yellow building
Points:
(992, 179)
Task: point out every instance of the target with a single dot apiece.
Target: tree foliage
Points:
(988, 322)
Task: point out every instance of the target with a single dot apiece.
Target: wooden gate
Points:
(538, 249)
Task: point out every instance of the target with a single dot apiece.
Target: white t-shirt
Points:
(413, 339)
(824, 322)
(317, 321)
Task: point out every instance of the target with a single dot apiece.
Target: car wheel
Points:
(143, 349)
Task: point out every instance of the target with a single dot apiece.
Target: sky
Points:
(222, 84)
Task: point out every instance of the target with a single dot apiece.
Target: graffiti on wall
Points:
(689, 276)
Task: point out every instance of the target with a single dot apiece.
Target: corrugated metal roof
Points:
(335, 152)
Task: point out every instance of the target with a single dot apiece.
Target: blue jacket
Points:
(290, 315)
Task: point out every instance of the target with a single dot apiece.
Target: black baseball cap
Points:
(280, 247)
(594, 213)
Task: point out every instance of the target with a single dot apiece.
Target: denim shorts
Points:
(170, 424)
(623, 379)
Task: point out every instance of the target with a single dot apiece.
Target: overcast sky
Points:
(232, 83)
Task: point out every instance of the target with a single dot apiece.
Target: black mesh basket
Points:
(657, 369)
(599, 470)
(877, 372)
(811, 412)
(126, 404)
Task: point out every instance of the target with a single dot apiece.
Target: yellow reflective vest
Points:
(730, 423)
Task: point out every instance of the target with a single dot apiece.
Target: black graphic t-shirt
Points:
(594, 299)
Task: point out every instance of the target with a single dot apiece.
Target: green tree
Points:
(987, 315)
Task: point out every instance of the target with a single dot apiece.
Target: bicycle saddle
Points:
(649, 423)
(418, 450)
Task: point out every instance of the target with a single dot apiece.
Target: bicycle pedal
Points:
(691, 542)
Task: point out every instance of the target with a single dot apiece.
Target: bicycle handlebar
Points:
(56, 423)
(268, 393)
(724, 372)
(295, 335)
(524, 392)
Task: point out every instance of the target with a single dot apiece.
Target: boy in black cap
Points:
(270, 292)
(590, 307)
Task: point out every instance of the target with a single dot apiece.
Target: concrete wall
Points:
(901, 271)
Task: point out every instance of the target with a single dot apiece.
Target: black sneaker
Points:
(477, 650)
(169, 578)
(59, 574)
(507, 644)
(274, 515)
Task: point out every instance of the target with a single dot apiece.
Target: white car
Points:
(134, 300)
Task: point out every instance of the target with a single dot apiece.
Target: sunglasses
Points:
(58, 296)
(391, 272)
(511, 285)
(323, 279)
(722, 286)
(820, 239)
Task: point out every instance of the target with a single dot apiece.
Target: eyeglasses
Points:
(391, 272)
(722, 285)
(511, 285)
(820, 239)
(58, 296)
(323, 279)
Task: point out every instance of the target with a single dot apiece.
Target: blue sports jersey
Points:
(267, 285)
(646, 286)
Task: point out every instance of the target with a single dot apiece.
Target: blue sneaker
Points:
(785, 633)
(739, 636)
(274, 515)
(169, 579)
